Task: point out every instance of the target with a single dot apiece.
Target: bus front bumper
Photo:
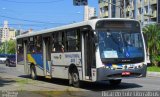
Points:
(108, 74)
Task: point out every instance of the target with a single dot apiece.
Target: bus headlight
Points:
(139, 66)
(107, 67)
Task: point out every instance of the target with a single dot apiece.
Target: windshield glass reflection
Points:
(120, 44)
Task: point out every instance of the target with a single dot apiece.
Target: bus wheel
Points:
(75, 79)
(115, 82)
(33, 73)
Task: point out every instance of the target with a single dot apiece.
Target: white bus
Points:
(93, 50)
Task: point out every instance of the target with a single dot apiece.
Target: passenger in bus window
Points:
(53, 48)
(62, 48)
(53, 45)
(33, 50)
(57, 47)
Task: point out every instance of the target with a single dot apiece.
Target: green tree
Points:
(152, 34)
(10, 45)
(2, 50)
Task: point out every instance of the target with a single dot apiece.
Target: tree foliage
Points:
(10, 47)
(152, 34)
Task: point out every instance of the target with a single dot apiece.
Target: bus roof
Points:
(69, 26)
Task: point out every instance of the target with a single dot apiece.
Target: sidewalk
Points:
(153, 74)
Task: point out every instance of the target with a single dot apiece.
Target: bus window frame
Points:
(78, 41)
(55, 40)
(29, 46)
(64, 40)
(21, 46)
(39, 43)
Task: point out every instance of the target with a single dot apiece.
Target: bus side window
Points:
(38, 44)
(53, 47)
(57, 44)
(78, 41)
(73, 40)
(20, 46)
(20, 50)
(31, 47)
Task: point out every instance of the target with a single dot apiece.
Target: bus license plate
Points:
(126, 73)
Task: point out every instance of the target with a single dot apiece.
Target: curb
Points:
(153, 74)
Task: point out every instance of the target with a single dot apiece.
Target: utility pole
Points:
(142, 12)
(110, 9)
(117, 10)
(124, 4)
(135, 9)
(148, 11)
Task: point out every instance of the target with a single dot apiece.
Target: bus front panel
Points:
(121, 49)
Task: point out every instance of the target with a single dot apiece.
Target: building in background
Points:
(143, 10)
(1, 34)
(89, 12)
(110, 8)
(7, 33)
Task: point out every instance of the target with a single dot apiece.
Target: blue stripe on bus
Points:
(39, 60)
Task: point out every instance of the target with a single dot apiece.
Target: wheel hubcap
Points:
(75, 78)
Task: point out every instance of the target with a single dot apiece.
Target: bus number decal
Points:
(72, 56)
(72, 60)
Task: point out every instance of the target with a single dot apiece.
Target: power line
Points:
(28, 20)
(51, 1)
(27, 24)
(31, 25)
(34, 26)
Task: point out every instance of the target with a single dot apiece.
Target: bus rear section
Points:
(120, 50)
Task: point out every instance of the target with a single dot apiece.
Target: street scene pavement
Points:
(13, 79)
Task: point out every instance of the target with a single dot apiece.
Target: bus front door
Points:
(87, 53)
(47, 56)
(26, 66)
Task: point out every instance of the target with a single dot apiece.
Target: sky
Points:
(41, 14)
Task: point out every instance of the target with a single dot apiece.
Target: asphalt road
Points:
(13, 78)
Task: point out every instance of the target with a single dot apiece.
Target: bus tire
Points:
(115, 82)
(75, 79)
(33, 72)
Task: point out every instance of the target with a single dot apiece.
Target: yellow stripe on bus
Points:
(31, 59)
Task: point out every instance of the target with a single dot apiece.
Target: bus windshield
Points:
(120, 46)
